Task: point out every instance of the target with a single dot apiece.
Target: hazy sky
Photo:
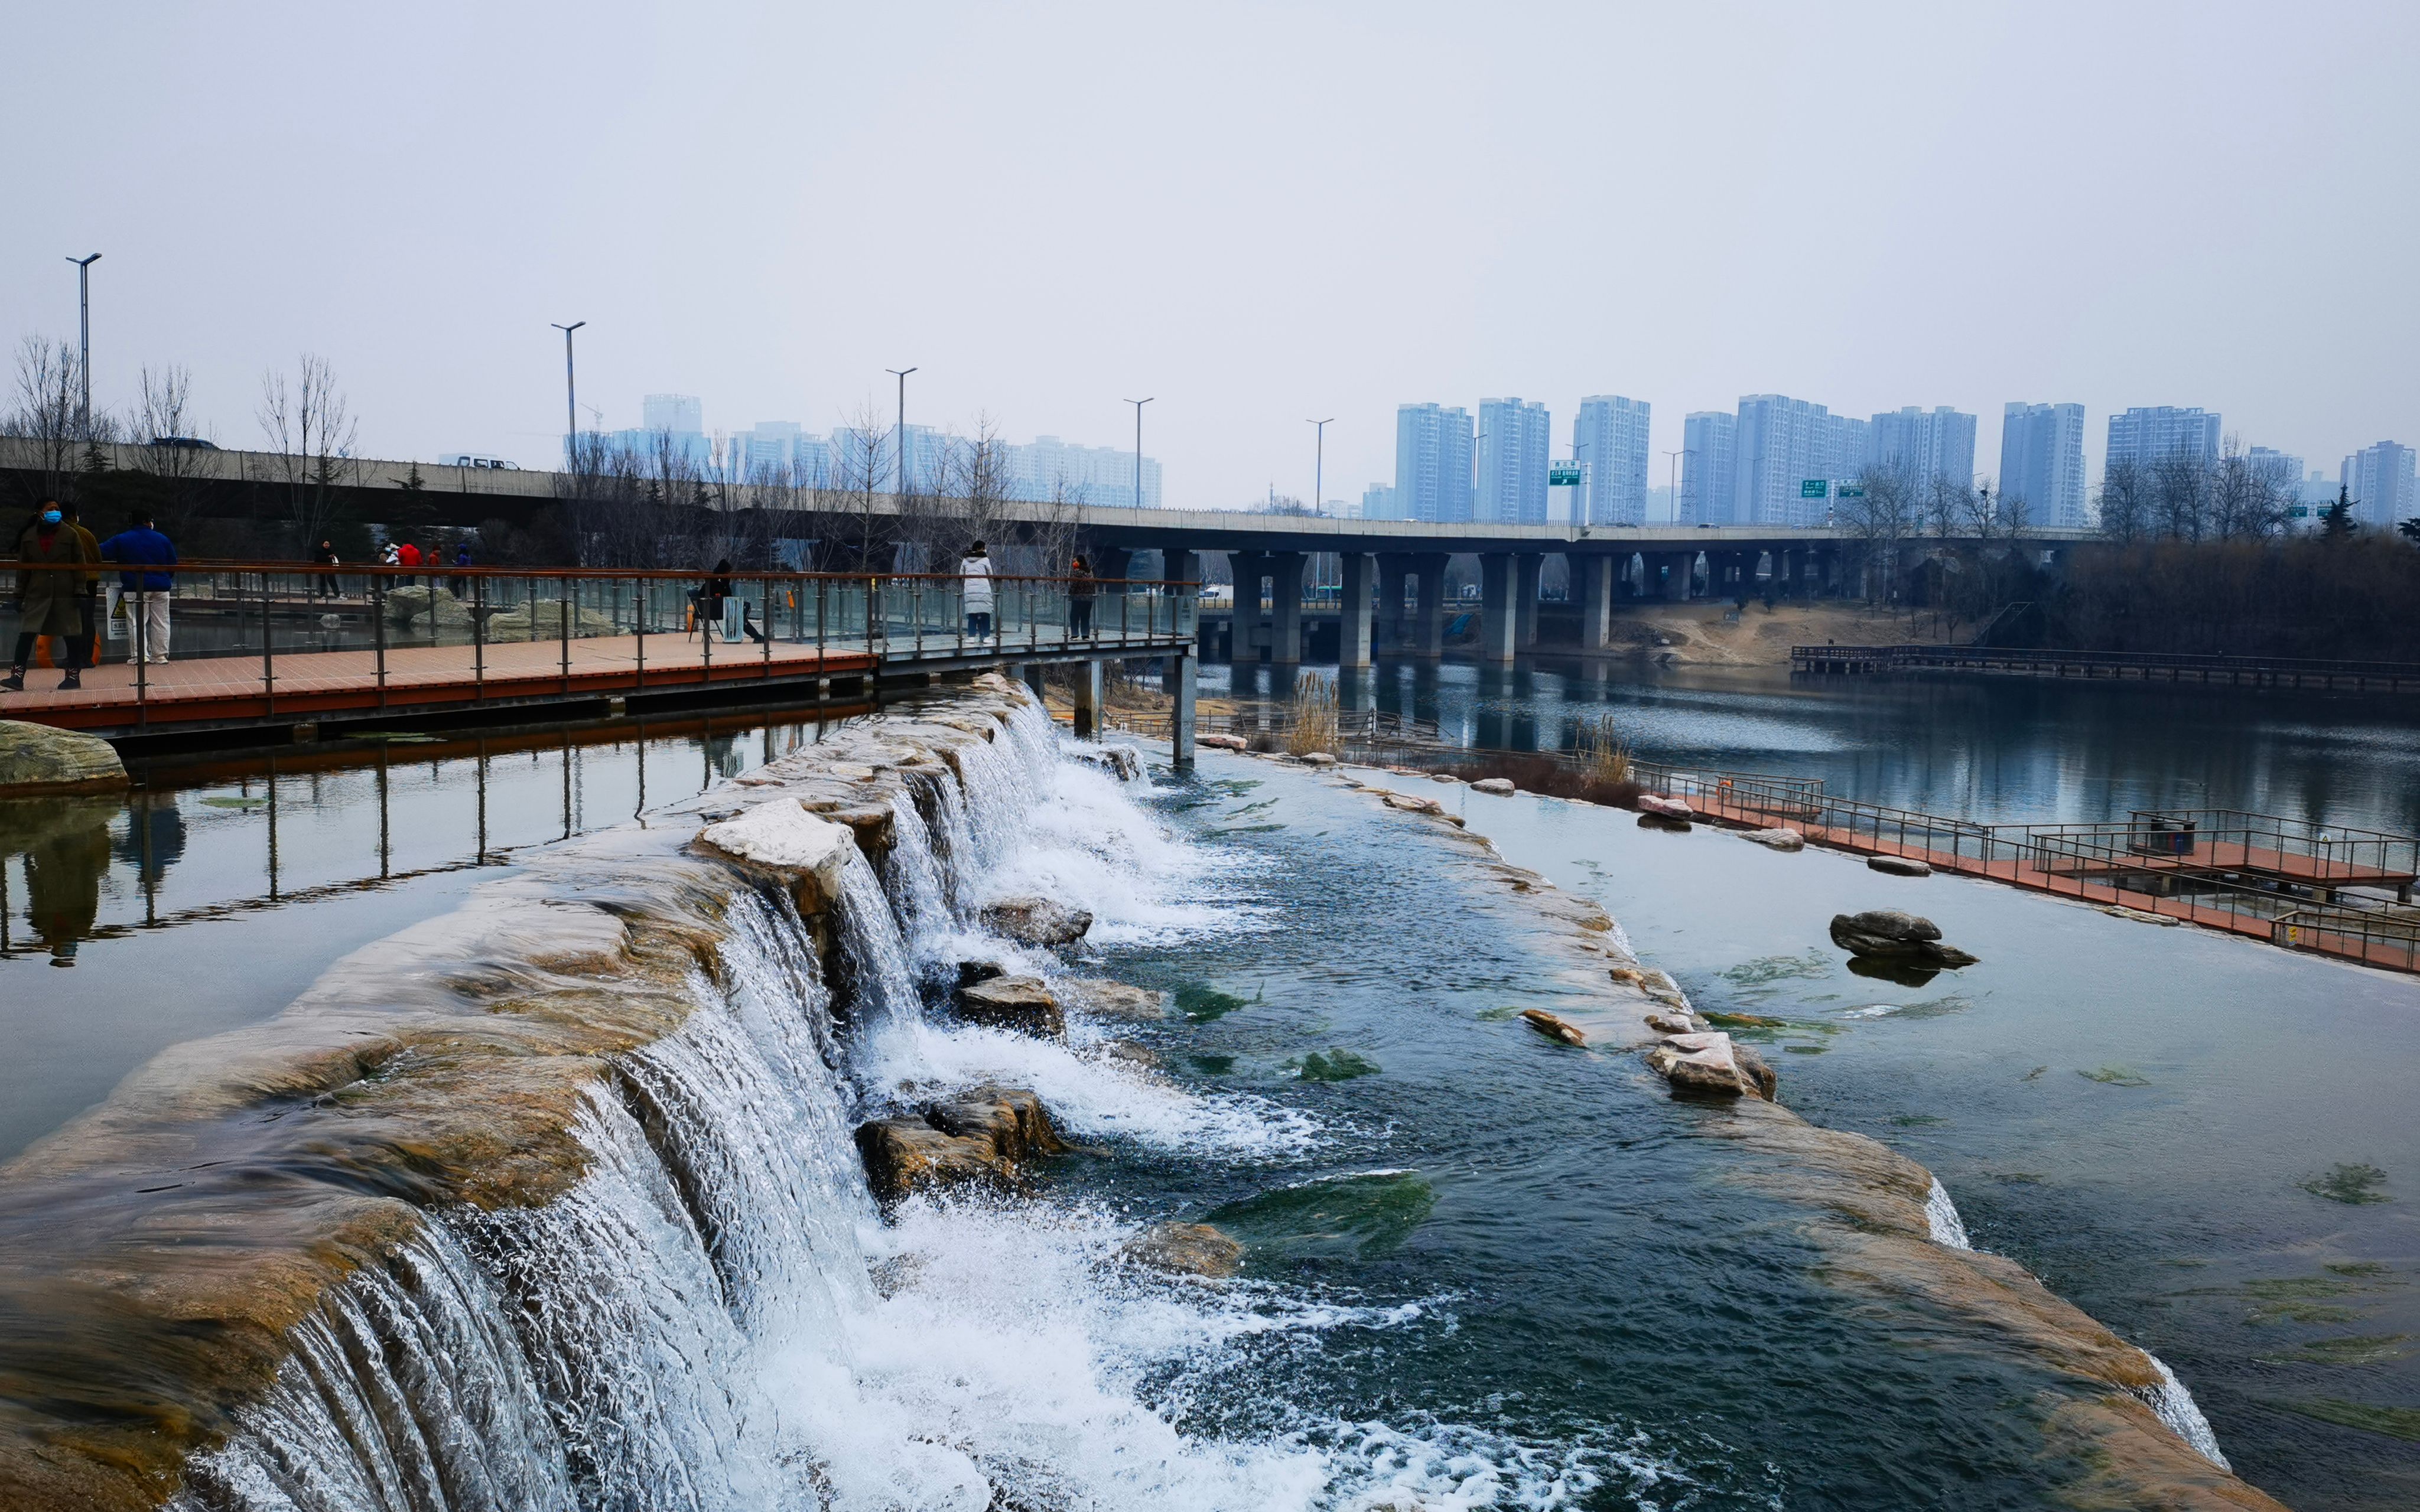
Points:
(1256, 214)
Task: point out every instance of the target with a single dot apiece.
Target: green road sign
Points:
(1564, 477)
(1851, 490)
(1813, 488)
(2299, 511)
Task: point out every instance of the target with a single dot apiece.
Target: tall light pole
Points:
(1138, 404)
(570, 399)
(1319, 461)
(1675, 484)
(84, 332)
(899, 435)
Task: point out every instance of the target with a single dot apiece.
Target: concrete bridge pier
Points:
(1033, 672)
(1429, 637)
(1285, 607)
(1499, 577)
(1678, 567)
(1592, 587)
(1088, 699)
(1527, 565)
(1395, 627)
(1246, 642)
(1355, 641)
(1180, 677)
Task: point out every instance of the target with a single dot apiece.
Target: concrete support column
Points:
(1592, 585)
(1249, 568)
(1088, 699)
(1677, 568)
(1180, 676)
(1526, 568)
(1428, 632)
(1355, 641)
(1499, 584)
(1033, 680)
(1109, 563)
(1285, 607)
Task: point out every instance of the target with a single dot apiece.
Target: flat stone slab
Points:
(1665, 807)
(1500, 786)
(1103, 998)
(1897, 866)
(1031, 921)
(1775, 839)
(35, 759)
(1023, 1004)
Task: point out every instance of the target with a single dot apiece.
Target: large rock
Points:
(1500, 786)
(1552, 1027)
(1897, 866)
(1665, 807)
(1222, 742)
(1119, 762)
(1409, 804)
(1111, 999)
(1889, 934)
(1185, 1249)
(1039, 922)
(35, 758)
(1710, 1064)
(1022, 1004)
(1776, 840)
(980, 1138)
(806, 849)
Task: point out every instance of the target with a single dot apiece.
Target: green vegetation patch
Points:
(2356, 1266)
(2277, 1289)
(2115, 1077)
(1200, 1002)
(1344, 1216)
(1773, 968)
(2395, 1422)
(2354, 1184)
(1917, 1120)
(2303, 1312)
(1805, 1049)
(1333, 1066)
(2350, 1349)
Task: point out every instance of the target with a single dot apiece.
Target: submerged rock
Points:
(1185, 1249)
(35, 759)
(1497, 785)
(1103, 998)
(1552, 1027)
(1038, 921)
(1897, 866)
(1775, 839)
(1658, 821)
(1023, 1004)
(982, 1138)
(1893, 936)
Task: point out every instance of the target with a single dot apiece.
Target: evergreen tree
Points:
(2337, 523)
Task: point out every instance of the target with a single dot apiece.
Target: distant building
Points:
(1433, 446)
(1514, 437)
(1923, 443)
(676, 412)
(1048, 468)
(2283, 469)
(1378, 503)
(1609, 438)
(1778, 444)
(2380, 478)
(2041, 462)
(2144, 437)
(1706, 467)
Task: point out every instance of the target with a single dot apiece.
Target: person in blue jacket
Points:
(147, 593)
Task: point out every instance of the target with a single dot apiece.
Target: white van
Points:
(464, 460)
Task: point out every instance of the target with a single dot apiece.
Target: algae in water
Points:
(2355, 1184)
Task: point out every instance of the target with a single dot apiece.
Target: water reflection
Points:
(65, 848)
(1979, 747)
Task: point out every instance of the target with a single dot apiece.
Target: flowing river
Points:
(1481, 1269)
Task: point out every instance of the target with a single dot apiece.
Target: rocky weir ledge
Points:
(2119, 1427)
(158, 1254)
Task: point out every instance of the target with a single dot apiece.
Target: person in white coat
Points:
(974, 570)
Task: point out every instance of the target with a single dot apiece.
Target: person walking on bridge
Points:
(147, 593)
(1082, 585)
(51, 602)
(974, 574)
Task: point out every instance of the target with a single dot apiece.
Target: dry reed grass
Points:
(1313, 726)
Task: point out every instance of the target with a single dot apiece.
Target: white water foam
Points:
(2176, 1407)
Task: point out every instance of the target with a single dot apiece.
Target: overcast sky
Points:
(1256, 215)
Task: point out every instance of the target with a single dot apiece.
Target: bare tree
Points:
(1881, 516)
(2246, 502)
(865, 523)
(2126, 500)
(2180, 495)
(49, 417)
(164, 419)
(311, 439)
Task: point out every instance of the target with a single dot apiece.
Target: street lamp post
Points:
(1138, 493)
(1319, 463)
(1674, 483)
(899, 435)
(83, 332)
(570, 399)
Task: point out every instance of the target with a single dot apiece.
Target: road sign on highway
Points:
(1813, 488)
(1563, 475)
(1851, 490)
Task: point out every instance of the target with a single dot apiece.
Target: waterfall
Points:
(1941, 1217)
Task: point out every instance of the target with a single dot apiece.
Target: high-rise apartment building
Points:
(1708, 436)
(1609, 440)
(2283, 469)
(2041, 462)
(2380, 478)
(1514, 437)
(2146, 436)
(1378, 503)
(1923, 443)
(1778, 444)
(1433, 446)
(676, 412)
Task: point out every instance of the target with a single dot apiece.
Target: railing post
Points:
(378, 630)
(478, 641)
(142, 664)
(268, 649)
(766, 589)
(639, 613)
(705, 643)
(563, 591)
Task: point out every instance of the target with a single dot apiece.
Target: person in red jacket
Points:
(408, 555)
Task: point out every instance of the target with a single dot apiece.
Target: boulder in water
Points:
(1023, 1004)
(1222, 742)
(1033, 920)
(35, 759)
(1897, 866)
(1894, 936)
(1500, 786)
(806, 849)
(1119, 762)
(982, 1138)
(1707, 1065)
(1409, 804)
(1185, 1249)
(1112, 1000)
(1671, 1024)
(1775, 839)
(1665, 807)
(1552, 1027)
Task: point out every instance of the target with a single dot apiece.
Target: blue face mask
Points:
(50, 517)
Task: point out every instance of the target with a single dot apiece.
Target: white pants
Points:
(147, 621)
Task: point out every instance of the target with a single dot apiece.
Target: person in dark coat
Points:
(50, 603)
(1082, 585)
(147, 593)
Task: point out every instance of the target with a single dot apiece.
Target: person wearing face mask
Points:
(51, 602)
